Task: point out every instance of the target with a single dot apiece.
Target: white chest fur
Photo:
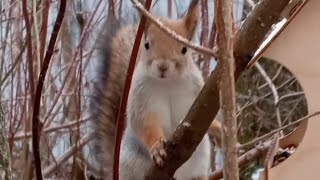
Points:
(170, 99)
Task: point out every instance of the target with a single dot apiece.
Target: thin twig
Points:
(13, 66)
(69, 153)
(269, 81)
(74, 58)
(256, 140)
(272, 151)
(244, 159)
(124, 99)
(36, 109)
(290, 95)
(174, 35)
(44, 24)
(204, 37)
(111, 13)
(273, 90)
(274, 78)
(248, 104)
(29, 47)
(23, 135)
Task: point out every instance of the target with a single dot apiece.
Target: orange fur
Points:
(150, 131)
(215, 132)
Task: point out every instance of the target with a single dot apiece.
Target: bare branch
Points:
(256, 140)
(124, 99)
(224, 26)
(244, 159)
(24, 135)
(69, 153)
(29, 47)
(36, 109)
(273, 90)
(269, 81)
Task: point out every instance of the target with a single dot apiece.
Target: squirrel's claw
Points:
(158, 153)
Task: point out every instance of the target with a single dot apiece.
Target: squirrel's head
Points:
(163, 56)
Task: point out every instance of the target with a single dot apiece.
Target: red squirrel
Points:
(164, 85)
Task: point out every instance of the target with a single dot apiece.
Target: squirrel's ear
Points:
(191, 18)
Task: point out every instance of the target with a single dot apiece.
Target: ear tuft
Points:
(191, 18)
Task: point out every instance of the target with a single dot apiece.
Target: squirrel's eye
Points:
(184, 50)
(146, 45)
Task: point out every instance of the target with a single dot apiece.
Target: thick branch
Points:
(186, 138)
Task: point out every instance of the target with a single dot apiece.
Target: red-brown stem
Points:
(212, 37)
(29, 47)
(204, 22)
(111, 9)
(43, 31)
(36, 109)
(204, 36)
(210, 44)
(123, 105)
(169, 8)
(233, 26)
(81, 43)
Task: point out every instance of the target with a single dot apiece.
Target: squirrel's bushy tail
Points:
(111, 67)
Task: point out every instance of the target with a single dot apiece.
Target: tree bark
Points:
(224, 24)
(5, 164)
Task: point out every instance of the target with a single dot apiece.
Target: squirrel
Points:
(164, 85)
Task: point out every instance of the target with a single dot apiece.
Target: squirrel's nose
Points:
(163, 67)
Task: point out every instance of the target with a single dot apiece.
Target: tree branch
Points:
(29, 47)
(63, 158)
(168, 31)
(224, 24)
(256, 140)
(124, 99)
(36, 110)
(245, 159)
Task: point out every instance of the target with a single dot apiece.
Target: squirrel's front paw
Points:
(158, 153)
